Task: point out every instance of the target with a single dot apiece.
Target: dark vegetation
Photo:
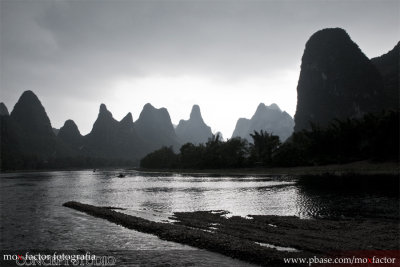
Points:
(248, 240)
(373, 137)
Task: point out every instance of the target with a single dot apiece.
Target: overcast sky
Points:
(226, 56)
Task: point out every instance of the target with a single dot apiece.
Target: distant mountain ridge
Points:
(32, 126)
(126, 139)
(194, 130)
(155, 126)
(70, 135)
(29, 141)
(26, 134)
(268, 118)
(336, 81)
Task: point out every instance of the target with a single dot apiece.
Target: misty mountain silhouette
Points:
(155, 126)
(32, 126)
(9, 145)
(101, 138)
(194, 130)
(70, 135)
(3, 110)
(29, 141)
(336, 81)
(112, 139)
(267, 118)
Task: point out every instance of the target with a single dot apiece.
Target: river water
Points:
(32, 215)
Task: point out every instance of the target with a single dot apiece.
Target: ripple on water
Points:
(33, 216)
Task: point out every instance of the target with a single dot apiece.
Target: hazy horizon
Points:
(225, 56)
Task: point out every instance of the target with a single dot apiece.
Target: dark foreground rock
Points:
(262, 239)
(225, 244)
(314, 236)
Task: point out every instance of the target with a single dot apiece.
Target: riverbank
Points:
(359, 167)
(263, 239)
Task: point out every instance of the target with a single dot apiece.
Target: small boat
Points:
(121, 175)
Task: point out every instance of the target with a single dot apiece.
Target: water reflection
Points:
(32, 214)
(372, 197)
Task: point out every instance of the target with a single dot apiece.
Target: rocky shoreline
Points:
(390, 168)
(261, 239)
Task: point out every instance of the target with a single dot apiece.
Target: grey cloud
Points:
(138, 37)
(73, 48)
